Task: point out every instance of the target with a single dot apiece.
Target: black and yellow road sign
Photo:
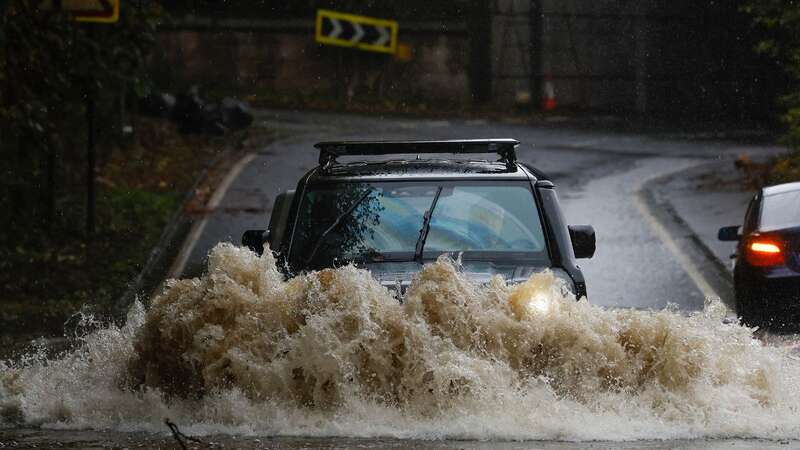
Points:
(350, 30)
(102, 11)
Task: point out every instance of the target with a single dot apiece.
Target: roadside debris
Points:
(179, 436)
(755, 173)
(195, 115)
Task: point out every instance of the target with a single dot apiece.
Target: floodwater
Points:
(242, 358)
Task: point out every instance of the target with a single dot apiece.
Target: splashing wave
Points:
(333, 353)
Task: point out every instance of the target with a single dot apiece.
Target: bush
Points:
(779, 20)
(48, 65)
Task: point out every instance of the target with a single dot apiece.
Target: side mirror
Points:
(254, 240)
(729, 233)
(583, 240)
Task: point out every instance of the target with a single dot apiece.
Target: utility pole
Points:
(90, 163)
(90, 138)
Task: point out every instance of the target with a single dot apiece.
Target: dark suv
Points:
(392, 215)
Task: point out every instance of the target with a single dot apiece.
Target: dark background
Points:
(675, 59)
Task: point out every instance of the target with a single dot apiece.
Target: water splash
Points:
(240, 350)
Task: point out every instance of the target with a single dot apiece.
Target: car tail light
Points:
(764, 253)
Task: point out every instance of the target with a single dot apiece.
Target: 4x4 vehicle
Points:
(392, 216)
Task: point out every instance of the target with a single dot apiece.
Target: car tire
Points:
(751, 318)
(748, 314)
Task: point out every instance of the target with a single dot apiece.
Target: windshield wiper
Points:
(336, 223)
(426, 227)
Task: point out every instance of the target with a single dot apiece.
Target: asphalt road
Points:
(599, 174)
(31, 438)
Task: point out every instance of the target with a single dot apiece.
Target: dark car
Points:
(392, 215)
(767, 271)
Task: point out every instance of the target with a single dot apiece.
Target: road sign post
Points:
(92, 11)
(98, 11)
(360, 32)
(90, 162)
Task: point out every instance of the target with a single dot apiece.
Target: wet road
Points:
(599, 175)
(19, 439)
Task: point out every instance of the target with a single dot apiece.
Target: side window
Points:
(279, 217)
(780, 210)
(751, 217)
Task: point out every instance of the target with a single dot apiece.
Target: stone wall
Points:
(286, 61)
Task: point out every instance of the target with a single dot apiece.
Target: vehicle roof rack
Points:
(329, 151)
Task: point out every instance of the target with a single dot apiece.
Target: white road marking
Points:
(198, 227)
(686, 264)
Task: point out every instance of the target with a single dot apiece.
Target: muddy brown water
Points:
(241, 358)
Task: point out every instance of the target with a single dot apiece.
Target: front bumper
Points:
(398, 284)
(775, 301)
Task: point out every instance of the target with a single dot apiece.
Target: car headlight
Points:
(539, 304)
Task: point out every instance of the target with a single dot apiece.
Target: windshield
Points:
(480, 220)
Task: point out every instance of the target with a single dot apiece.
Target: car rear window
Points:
(781, 211)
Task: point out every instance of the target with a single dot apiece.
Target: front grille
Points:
(397, 288)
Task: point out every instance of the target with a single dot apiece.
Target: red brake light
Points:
(764, 253)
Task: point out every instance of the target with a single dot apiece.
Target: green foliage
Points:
(48, 62)
(44, 280)
(786, 169)
(779, 20)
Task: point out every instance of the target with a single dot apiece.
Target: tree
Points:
(48, 65)
(780, 22)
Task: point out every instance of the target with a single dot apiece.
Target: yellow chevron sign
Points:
(101, 11)
(361, 32)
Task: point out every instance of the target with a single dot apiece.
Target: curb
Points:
(711, 268)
